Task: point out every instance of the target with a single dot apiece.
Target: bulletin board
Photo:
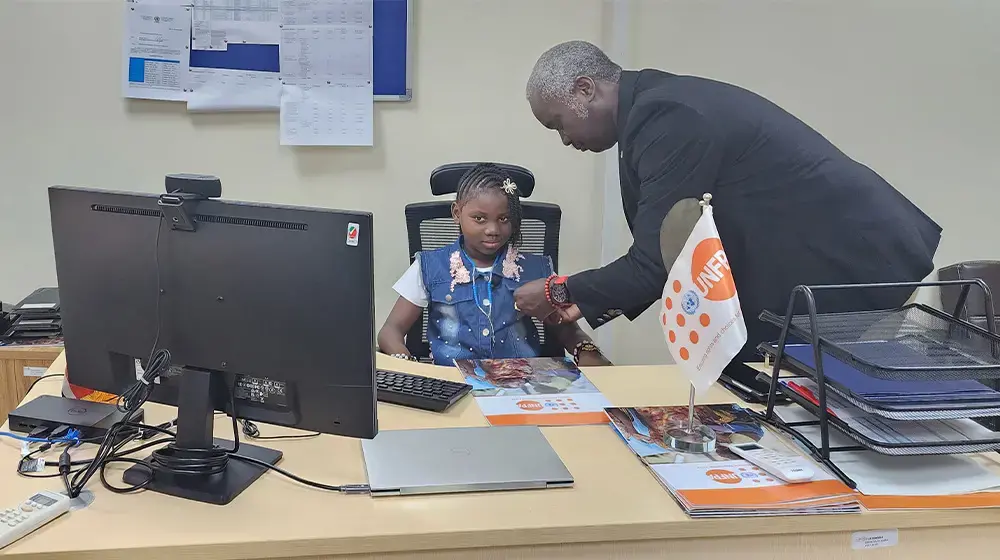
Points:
(391, 52)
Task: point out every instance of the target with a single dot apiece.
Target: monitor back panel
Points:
(279, 299)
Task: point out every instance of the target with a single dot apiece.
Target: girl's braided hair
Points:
(488, 176)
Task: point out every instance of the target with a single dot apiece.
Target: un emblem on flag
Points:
(689, 302)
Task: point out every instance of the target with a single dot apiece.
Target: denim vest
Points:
(462, 322)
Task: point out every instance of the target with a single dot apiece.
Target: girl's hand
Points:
(592, 359)
(563, 315)
(530, 299)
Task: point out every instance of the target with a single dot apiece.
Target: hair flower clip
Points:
(509, 187)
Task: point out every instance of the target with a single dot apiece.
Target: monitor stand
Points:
(195, 418)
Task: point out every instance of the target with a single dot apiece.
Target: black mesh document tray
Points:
(914, 342)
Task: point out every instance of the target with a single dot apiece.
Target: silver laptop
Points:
(401, 462)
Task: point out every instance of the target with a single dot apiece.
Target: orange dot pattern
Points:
(680, 322)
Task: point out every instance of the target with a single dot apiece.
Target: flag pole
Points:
(706, 201)
(691, 438)
(690, 425)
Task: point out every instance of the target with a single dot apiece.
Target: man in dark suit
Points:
(790, 207)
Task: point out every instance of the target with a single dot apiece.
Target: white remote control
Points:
(787, 467)
(21, 520)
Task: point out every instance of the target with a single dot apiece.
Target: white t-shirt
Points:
(410, 285)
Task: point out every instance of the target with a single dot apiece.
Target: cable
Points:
(251, 431)
(136, 395)
(184, 461)
(130, 402)
(46, 376)
(64, 470)
(344, 488)
(71, 475)
(29, 439)
(81, 462)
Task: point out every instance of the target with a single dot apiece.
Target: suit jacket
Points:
(790, 207)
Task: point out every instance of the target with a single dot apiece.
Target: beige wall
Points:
(907, 86)
(64, 122)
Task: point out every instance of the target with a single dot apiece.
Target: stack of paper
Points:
(915, 395)
(535, 391)
(891, 432)
(720, 484)
(922, 482)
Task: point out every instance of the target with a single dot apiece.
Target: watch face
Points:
(559, 293)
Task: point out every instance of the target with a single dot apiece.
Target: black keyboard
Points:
(417, 391)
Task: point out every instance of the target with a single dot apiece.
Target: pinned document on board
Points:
(335, 114)
(325, 52)
(216, 23)
(157, 38)
(326, 12)
(215, 89)
(327, 97)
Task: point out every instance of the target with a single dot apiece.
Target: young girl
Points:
(468, 286)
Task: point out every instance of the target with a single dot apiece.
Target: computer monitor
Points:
(271, 307)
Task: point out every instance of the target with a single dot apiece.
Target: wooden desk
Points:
(20, 366)
(616, 510)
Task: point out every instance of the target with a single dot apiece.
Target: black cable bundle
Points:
(130, 402)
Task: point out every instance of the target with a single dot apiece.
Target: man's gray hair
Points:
(559, 67)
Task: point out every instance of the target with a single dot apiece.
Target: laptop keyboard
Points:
(417, 391)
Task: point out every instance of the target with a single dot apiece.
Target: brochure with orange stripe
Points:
(534, 391)
(71, 391)
(720, 484)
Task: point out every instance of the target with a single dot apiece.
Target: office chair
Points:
(974, 309)
(429, 226)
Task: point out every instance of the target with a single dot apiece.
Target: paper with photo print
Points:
(534, 391)
(720, 484)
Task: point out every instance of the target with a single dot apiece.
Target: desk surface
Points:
(614, 499)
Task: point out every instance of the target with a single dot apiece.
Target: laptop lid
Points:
(462, 460)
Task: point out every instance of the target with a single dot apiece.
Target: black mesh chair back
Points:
(429, 226)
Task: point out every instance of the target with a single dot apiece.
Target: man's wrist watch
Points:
(557, 292)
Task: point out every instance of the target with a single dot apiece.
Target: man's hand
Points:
(562, 315)
(530, 300)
